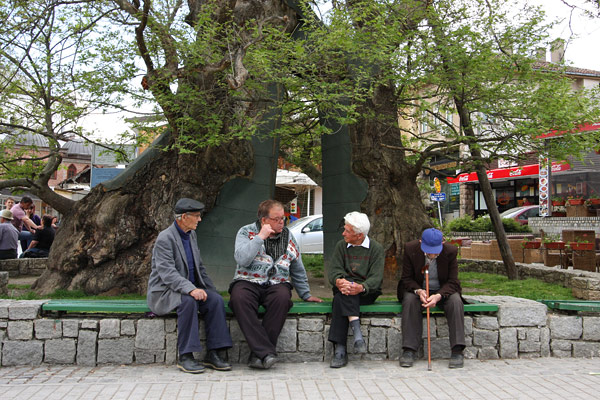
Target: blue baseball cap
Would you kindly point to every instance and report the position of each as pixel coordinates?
(431, 241)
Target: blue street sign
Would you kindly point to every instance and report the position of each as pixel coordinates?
(437, 196)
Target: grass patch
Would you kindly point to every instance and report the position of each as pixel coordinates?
(313, 263)
(18, 287)
(477, 283)
(66, 294)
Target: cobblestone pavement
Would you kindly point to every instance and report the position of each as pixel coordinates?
(545, 378)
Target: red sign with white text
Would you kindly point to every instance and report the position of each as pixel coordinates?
(526, 170)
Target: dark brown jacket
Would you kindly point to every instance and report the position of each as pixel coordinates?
(412, 266)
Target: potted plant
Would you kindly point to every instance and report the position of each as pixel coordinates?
(551, 242)
(592, 200)
(558, 201)
(581, 246)
(575, 200)
(531, 244)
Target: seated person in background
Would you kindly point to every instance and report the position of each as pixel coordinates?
(9, 203)
(444, 289)
(22, 222)
(42, 240)
(356, 273)
(9, 236)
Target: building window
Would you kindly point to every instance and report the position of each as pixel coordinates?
(71, 171)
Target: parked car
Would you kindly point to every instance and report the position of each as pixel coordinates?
(521, 214)
(308, 232)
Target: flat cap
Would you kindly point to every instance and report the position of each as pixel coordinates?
(186, 205)
(6, 214)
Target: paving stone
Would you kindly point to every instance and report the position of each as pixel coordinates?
(128, 327)
(109, 328)
(562, 345)
(86, 347)
(586, 349)
(149, 356)
(484, 322)
(509, 345)
(565, 326)
(377, 340)
(48, 328)
(311, 324)
(25, 309)
(170, 325)
(591, 328)
(115, 351)
(287, 337)
(488, 353)
(70, 328)
(310, 342)
(483, 337)
(19, 352)
(59, 351)
(387, 322)
(171, 346)
(20, 330)
(89, 324)
(150, 334)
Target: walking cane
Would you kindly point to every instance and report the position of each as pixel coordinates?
(426, 269)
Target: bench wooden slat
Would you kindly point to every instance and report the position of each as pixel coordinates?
(573, 305)
(140, 306)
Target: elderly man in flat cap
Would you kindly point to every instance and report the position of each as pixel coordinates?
(179, 281)
(9, 236)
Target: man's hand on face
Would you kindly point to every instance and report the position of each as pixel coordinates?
(199, 294)
(265, 231)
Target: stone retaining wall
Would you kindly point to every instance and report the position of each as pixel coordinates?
(520, 329)
(555, 225)
(585, 284)
(24, 266)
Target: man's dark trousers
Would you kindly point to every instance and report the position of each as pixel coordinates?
(245, 300)
(343, 307)
(213, 313)
(412, 320)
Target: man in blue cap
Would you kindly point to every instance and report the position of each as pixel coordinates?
(178, 280)
(444, 290)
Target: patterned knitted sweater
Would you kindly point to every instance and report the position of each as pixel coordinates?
(255, 265)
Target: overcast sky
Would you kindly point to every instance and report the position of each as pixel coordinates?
(582, 36)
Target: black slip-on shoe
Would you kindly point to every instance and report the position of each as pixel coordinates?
(457, 360)
(408, 358)
(269, 361)
(339, 360)
(187, 363)
(214, 361)
(255, 362)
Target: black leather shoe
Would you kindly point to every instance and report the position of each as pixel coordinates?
(457, 360)
(214, 361)
(339, 360)
(187, 363)
(269, 361)
(360, 347)
(255, 362)
(408, 358)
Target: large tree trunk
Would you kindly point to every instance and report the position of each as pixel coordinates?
(393, 202)
(105, 243)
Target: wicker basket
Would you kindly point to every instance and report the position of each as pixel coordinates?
(465, 252)
(584, 260)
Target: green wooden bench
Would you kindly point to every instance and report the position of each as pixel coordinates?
(140, 306)
(573, 305)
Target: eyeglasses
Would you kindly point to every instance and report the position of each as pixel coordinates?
(278, 219)
(195, 215)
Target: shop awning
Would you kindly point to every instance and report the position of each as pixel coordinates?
(513, 172)
(580, 129)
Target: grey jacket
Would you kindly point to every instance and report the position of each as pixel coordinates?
(169, 275)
